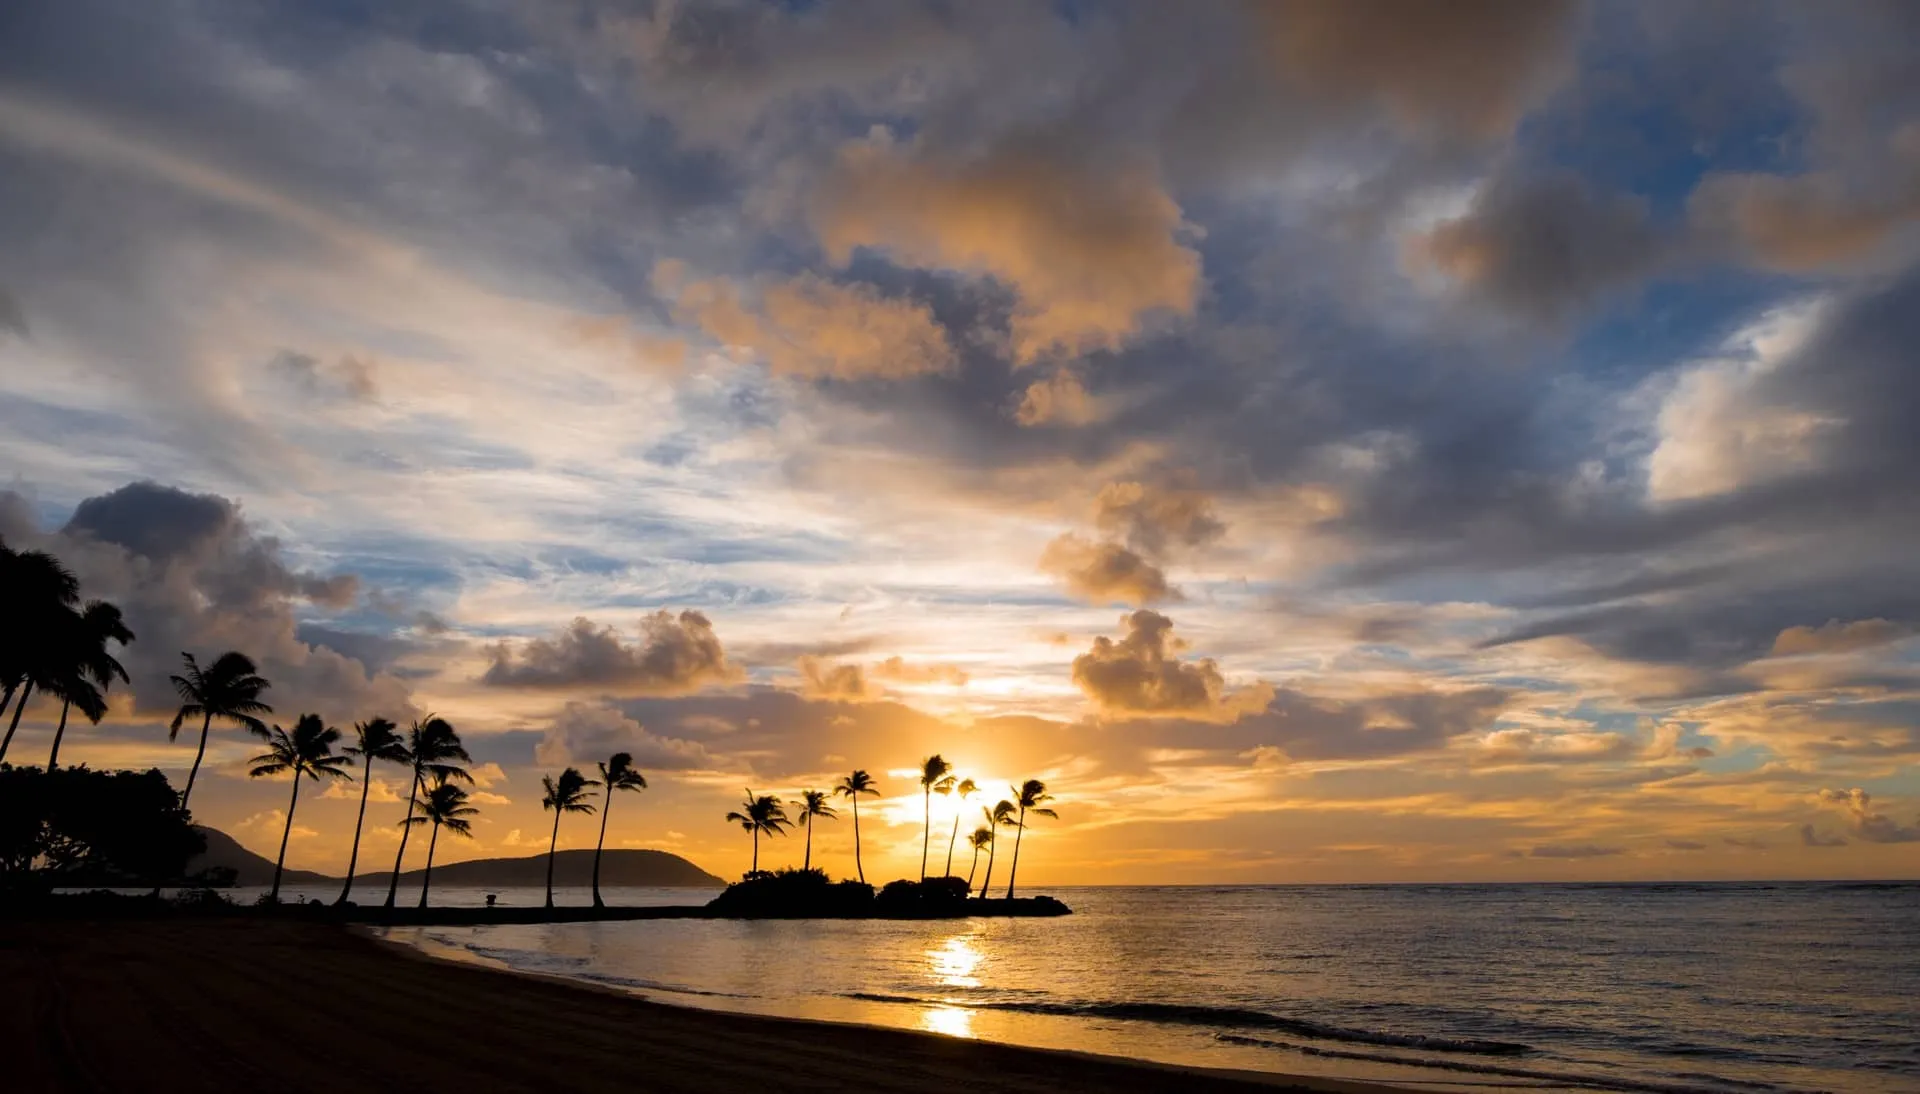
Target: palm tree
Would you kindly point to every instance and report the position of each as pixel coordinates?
(618, 773)
(813, 803)
(308, 751)
(230, 689)
(567, 794)
(762, 813)
(978, 838)
(41, 594)
(852, 787)
(445, 806)
(933, 776)
(1000, 816)
(378, 739)
(1029, 796)
(963, 791)
(436, 750)
(92, 667)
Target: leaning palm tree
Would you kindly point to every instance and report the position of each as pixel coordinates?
(308, 751)
(1029, 796)
(760, 813)
(90, 668)
(978, 838)
(41, 594)
(436, 750)
(852, 787)
(444, 806)
(1000, 816)
(228, 689)
(933, 776)
(567, 794)
(618, 773)
(378, 739)
(964, 790)
(812, 803)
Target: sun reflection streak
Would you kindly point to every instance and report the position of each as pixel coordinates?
(953, 961)
(950, 1020)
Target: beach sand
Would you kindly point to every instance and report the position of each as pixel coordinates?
(188, 1004)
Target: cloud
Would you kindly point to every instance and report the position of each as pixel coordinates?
(844, 683)
(1102, 572)
(1059, 399)
(12, 319)
(346, 377)
(1575, 851)
(1141, 674)
(1809, 837)
(1156, 520)
(1090, 251)
(377, 790)
(813, 328)
(676, 656)
(1800, 223)
(273, 823)
(919, 672)
(487, 775)
(1837, 637)
(585, 733)
(1542, 246)
(1686, 845)
(1525, 746)
(1867, 824)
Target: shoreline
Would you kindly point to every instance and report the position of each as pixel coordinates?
(183, 1004)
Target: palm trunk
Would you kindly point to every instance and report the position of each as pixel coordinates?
(7, 700)
(25, 694)
(807, 864)
(756, 853)
(353, 859)
(406, 829)
(950, 838)
(53, 758)
(426, 879)
(605, 808)
(281, 862)
(926, 833)
(1014, 870)
(986, 883)
(553, 846)
(206, 724)
(971, 869)
(861, 870)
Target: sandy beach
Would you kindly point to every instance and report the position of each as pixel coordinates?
(254, 1005)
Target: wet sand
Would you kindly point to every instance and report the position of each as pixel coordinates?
(241, 1004)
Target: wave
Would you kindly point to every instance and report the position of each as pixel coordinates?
(1196, 1014)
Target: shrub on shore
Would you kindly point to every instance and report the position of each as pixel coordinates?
(793, 893)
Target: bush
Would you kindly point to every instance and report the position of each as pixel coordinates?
(793, 893)
(934, 896)
(75, 827)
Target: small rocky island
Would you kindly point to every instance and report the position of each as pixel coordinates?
(809, 894)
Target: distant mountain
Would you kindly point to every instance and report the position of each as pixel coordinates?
(618, 867)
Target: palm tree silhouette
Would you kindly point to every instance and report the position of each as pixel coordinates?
(445, 806)
(963, 791)
(90, 669)
(1028, 796)
(567, 794)
(308, 751)
(812, 803)
(378, 739)
(933, 776)
(1000, 816)
(41, 594)
(229, 689)
(978, 838)
(762, 813)
(436, 750)
(852, 787)
(618, 773)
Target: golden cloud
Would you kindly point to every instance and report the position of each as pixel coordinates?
(1060, 399)
(1838, 637)
(1089, 252)
(1101, 572)
(1142, 675)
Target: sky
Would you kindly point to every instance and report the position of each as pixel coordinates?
(1325, 442)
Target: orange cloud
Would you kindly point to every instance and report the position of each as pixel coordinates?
(1060, 399)
(1802, 222)
(1142, 674)
(1838, 637)
(1090, 252)
(1101, 572)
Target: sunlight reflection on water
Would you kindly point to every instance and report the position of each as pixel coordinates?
(953, 961)
(952, 1021)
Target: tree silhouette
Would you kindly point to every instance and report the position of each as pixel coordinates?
(812, 803)
(978, 838)
(41, 594)
(88, 669)
(567, 794)
(228, 689)
(436, 750)
(378, 739)
(1000, 816)
(933, 776)
(308, 751)
(962, 791)
(1029, 796)
(852, 787)
(618, 773)
(760, 813)
(445, 806)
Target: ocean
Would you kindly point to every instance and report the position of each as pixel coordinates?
(1663, 987)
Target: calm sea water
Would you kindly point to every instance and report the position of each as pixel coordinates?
(1722, 988)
